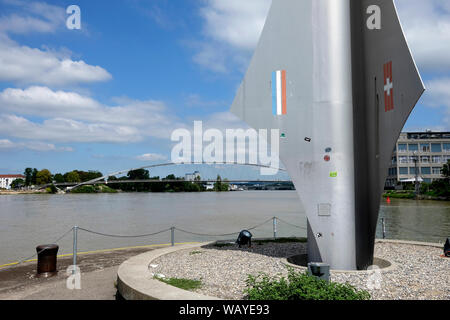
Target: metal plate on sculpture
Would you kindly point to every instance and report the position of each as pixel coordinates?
(324, 210)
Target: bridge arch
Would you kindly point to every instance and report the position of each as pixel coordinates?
(168, 164)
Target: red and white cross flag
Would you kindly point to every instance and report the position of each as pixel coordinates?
(388, 87)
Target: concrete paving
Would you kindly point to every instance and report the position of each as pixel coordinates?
(135, 280)
(98, 278)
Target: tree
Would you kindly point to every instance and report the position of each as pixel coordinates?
(140, 174)
(17, 183)
(34, 176)
(28, 176)
(446, 171)
(59, 178)
(219, 186)
(72, 177)
(88, 176)
(43, 177)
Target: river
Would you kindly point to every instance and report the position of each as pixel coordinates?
(29, 220)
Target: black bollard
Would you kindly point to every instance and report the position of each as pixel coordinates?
(447, 248)
(46, 265)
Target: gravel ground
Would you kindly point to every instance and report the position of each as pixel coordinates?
(421, 272)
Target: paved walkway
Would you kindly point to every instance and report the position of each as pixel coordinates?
(98, 278)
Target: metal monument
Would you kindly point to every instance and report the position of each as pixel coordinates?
(338, 80)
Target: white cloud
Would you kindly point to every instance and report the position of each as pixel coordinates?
(438, 96)
(33, 17)
(72, 117)
(25, 65)
(6, 144)
(151, 157)
(67, 130)
(232, 29)
(427, 28)
(235, 22)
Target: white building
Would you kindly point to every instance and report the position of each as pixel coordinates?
(192, 176)
(7, 179)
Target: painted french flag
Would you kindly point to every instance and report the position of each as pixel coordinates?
(279, 103)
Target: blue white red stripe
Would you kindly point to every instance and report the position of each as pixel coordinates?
(279, 103)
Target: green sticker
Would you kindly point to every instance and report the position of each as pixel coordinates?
(333, 174)
(283, 135)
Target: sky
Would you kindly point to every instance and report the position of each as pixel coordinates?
(108, 96)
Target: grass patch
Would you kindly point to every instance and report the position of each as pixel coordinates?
(195, 252)
(300, 286)
(399, 195)
(185, 284)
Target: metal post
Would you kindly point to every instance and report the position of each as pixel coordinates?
(75, 243)
(383, 223)
(172, 236)
(274, 227)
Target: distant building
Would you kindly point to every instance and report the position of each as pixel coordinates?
(7, 179)
(209, 186)
(192, 176)
(431, 150)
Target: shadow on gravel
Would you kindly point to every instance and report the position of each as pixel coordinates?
(279, 248)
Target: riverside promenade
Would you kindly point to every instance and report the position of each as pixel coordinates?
(98, 277)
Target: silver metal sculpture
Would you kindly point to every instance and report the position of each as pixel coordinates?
(338, 80)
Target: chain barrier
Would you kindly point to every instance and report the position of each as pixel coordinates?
(199, 234)
(124, 236)
(38, 253)
(223, 235)
(288, 223)
(416, 231)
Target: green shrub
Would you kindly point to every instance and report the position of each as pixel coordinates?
(84, 189)
(52, 189)
(300, 286)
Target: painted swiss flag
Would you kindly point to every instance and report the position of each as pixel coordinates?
(388, 87)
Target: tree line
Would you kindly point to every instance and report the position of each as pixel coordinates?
(34, 177)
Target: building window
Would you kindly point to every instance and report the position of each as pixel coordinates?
(413, 147)
(425, 147)
(427, 180)
(413, 170)
(436, 159)
(446, 147)
(394, 160)
(402, 147)
(412, 159)
(403, 170)
(426, 170)
(445, 159)
(425, 159)
(436, 147)
(403, 159)
(437, 170)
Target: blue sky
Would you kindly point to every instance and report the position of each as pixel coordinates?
(108, 96)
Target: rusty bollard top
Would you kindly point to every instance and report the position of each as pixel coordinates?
(46, 266)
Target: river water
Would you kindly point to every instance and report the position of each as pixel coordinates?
(30, 220)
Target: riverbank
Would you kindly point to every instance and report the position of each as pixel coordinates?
(410, 195)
